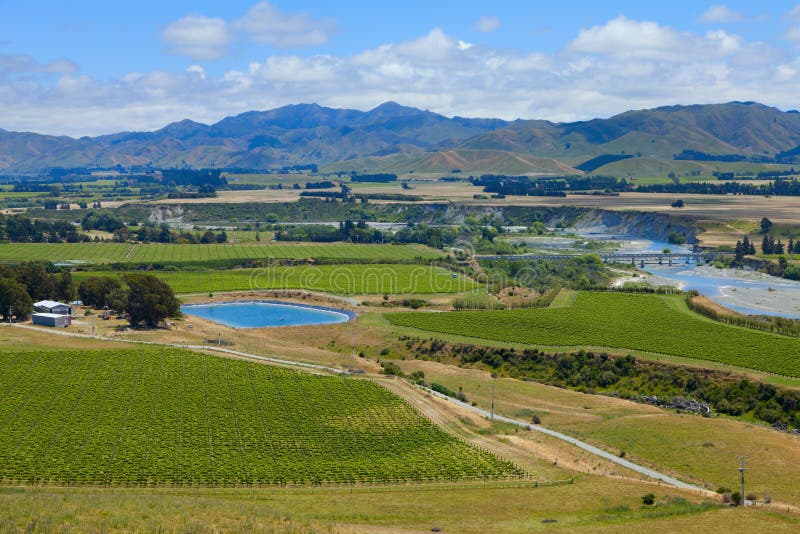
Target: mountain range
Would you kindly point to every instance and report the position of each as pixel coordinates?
(393, 137)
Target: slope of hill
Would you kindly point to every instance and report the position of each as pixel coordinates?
(309, 133)
(466, 161)
(745, 128)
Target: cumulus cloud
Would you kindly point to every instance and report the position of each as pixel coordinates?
(623, 37)
(266, 24)
(487, 24)
(720, 13)
(606, 69)
(208, 38)
(198, 37)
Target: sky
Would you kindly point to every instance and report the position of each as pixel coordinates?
(91, 67)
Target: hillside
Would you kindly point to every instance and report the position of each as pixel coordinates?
(395, 138)
(466, 161)
(745, 128)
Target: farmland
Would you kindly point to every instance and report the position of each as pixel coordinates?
(179, 253)
(341, 279)
(172, 417)
(661, 324)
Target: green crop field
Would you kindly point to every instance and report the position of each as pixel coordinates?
(653, 323)
(163, 253)
(172, 417)
(342, 279)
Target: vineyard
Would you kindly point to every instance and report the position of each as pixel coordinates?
(172, 417)
(169, 253)
(653, 323)
(342, 279)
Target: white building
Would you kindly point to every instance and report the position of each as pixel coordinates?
(51, 319)
(51, 306)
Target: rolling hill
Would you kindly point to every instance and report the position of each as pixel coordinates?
(395, 138)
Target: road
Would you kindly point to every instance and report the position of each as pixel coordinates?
(666, 479)
(578, 443)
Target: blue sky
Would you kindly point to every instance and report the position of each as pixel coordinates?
(89, 67)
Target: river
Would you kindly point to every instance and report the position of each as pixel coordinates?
(745, 291)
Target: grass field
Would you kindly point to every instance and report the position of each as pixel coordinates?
(655, 323)
(341, 279)
(699, 449)
(170, 417)
(593, 505)
(158, 253)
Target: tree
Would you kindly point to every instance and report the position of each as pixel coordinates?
(101, 292)
(65, 287)
(14, 297)
(150, 300)
(766, 225)
(208, 237)
(38, 282)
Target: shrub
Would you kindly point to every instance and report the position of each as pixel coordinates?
(391, 368)
(648, 499)
(536, 420)
(736, 498)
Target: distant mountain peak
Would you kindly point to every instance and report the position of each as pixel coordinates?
(393, 109)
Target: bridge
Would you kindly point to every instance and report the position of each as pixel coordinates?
(630, 258)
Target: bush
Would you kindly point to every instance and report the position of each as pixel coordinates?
(736, 498)
(648, 499)
(391, 368)
(536, 420)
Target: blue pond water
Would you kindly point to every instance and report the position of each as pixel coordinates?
(256, 314)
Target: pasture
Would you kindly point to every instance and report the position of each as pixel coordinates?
(95, 253)
(171, 417)
(654, 323)
(698, 449)
(355, 279)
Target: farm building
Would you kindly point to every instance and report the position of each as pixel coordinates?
(51, 319)
(51, 306)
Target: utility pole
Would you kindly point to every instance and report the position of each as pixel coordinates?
(353, 353)
(742, 469)
(492, 400)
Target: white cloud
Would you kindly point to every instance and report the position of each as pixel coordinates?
(623, 37)
(266, 24)
(794, 13)
(198, 37)
(487, 24)
(792, 34)
(208, 38)
(720, 13)
(623, 64)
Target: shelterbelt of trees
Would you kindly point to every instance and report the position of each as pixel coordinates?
(560, 185)
(19, 229)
